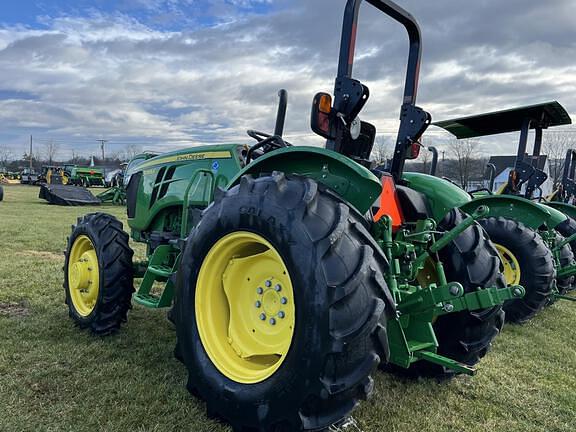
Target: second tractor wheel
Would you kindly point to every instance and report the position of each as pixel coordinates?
(566, 258)
(98, 274)
(466, 336)
(526, 261)
(281, 306)
(568, 229)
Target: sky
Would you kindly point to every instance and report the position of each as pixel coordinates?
(166, 74)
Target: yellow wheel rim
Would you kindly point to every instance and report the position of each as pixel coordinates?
(510, 265)
(245, 307)
(83, 275)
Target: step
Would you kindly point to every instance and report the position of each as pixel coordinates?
(160, 270)
(147, 300)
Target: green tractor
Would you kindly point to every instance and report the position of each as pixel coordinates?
(295, 271)
(84, 176)
(116, 194)
(563, 197)
(535, 238)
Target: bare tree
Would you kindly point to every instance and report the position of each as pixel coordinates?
(425, 156)
(555, 145)
(5, 155)
(382, 151)
(132, 150)
(466, 152)
(50, 150)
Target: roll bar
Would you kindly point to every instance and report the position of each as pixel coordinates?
(569, 172)
(434, 165)
(491, 175)
(281, 116)
(348, 43)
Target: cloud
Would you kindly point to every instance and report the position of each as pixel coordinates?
(168, 73)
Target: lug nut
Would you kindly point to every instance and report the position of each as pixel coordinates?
(272, 321)
(263, 316)
(259, 290)
(278, 288)
(268, 284)
(283, 300)
(448, 307)
(517, 292)
(454, 290)
(281, 314)
(258, 304)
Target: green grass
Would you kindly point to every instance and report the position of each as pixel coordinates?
(54, 377)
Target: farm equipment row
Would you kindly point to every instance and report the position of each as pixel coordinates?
(292, 272)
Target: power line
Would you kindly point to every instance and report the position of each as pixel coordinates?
(102, 142)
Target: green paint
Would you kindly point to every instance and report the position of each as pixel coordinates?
(161, 193)
(512, 207)
(162, 264)
(442, 195)
(354, 183)
(410, 334)
(567, 209)
(556, 216)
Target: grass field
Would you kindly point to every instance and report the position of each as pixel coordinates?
(54, 377)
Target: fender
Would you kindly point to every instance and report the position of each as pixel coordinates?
(442, 195)
(556, 215)
(531, 214)
(349, 180)
(568, 209)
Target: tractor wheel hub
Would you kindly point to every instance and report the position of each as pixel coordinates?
(83, 275)
(245, 307)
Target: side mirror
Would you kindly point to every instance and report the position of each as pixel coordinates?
(321, 119)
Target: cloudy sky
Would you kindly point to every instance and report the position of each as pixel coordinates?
(167, 73)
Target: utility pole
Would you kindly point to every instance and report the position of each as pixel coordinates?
(102, 142)
(30, 154)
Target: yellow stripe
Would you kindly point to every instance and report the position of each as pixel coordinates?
(186, 157)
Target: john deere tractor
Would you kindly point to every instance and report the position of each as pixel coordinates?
(533, 237)
(294, 271)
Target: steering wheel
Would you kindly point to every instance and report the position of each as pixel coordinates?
(257, 135)
(266, 142)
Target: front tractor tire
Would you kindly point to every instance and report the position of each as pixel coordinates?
(466, 336)
(98, 274)
(279, 306)
(526, 261)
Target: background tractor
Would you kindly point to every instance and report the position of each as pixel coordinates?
(532, 237)
(116, 194)
(294, 271)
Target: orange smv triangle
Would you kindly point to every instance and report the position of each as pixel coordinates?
(389, 205)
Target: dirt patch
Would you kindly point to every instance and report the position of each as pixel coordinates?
(40, 254)
(14, 309)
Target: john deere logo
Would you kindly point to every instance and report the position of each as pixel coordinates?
(186, 157)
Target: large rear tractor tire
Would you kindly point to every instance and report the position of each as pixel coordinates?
(98, 274)
(526, 261)
(466, 336)
(281, 306)
(568, 229)
(566, 256)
